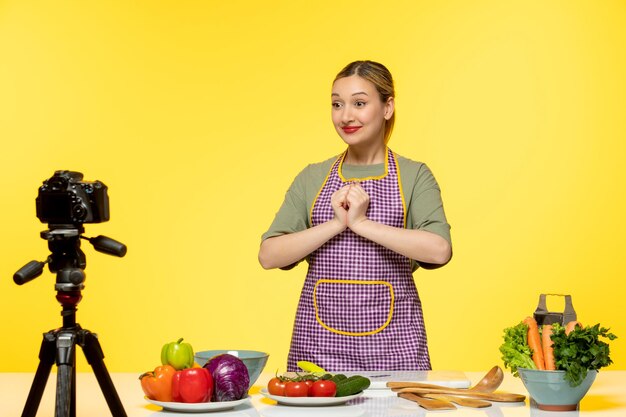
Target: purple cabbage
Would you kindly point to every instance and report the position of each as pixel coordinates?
(230, 377)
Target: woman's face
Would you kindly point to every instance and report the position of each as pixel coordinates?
(358, 114)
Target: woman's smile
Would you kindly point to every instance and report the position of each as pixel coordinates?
(350, 129)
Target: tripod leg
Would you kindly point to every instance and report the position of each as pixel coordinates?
(64, 391)
(46, 360)
(66, 358)
(93, 353)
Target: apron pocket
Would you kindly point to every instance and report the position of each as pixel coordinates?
(353, 307)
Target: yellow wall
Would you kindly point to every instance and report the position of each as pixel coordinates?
(198, 115)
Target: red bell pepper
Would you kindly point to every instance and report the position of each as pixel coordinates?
(193, 385)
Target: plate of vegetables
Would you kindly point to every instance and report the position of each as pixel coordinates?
(198, 407)
(309, 401)
(180, 385)
(315, 389)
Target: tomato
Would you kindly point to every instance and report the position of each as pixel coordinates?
(276, 387)
(309, 384)
(323, 388)
(296, 389)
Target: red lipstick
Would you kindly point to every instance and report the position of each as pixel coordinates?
(350, 129)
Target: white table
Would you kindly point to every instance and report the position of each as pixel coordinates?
(606, 398)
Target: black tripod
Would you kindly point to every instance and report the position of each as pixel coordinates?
(59, 345)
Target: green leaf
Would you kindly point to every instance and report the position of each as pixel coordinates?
(580, 351)
(515, 350)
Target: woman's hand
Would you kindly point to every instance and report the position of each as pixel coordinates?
(420, 245)
(350, 204)
(339, 203)
(357, 201)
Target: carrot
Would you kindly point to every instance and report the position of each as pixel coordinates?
(548, 351)
(534, 342)
(569, 327)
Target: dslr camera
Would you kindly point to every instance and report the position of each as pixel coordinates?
(66, 199)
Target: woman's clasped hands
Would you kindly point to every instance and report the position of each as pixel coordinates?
(350, 204)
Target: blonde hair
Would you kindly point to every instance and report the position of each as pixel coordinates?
(378, 75)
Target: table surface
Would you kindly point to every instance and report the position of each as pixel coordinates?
(606, 398)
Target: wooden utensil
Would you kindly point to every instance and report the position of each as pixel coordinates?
(464, 401)
(489, 383)
(491, 396)
(427, 403)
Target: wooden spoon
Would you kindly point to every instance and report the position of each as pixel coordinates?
(427, 403)
(489, 383)
(491, 396)
(465, 402)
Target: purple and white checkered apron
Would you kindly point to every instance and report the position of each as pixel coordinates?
(359, 309)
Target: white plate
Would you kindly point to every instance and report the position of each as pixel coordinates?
(309, 401)
(198, 407)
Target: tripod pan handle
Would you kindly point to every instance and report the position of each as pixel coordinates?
(28, 272)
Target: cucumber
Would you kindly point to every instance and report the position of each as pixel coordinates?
(352, 385)
(338, 377)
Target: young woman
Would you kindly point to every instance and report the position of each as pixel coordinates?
(364, 220)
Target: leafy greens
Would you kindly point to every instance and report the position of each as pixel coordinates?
(580, 351)
(515, 350)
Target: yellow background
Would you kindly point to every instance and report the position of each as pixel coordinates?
(198, 114)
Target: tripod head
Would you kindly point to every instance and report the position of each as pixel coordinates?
(67, 259)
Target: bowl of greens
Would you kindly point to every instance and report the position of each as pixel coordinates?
(557, 364)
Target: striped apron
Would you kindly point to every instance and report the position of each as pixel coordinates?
(359, 309)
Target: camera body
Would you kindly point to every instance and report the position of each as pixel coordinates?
(65, 199)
